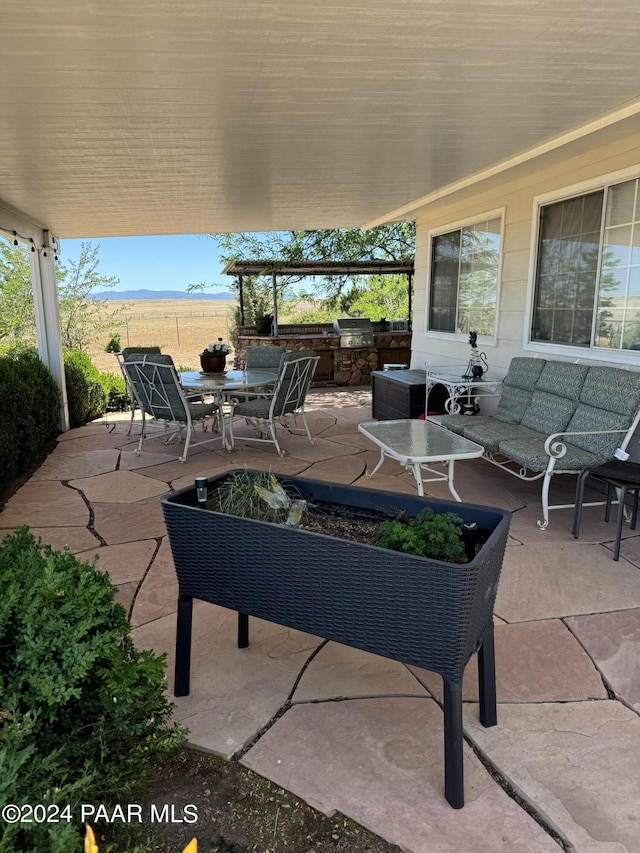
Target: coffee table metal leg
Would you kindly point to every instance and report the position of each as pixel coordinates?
(378, 465)
(417, 473)
(450, 473)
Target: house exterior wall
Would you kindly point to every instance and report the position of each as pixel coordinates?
(515, 192)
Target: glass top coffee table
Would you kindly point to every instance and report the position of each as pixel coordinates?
(417, 444)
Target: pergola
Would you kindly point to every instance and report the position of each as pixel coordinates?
(277, 269)
(128, 118)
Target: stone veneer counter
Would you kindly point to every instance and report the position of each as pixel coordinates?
(339, 366)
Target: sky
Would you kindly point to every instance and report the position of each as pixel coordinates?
(156, 263)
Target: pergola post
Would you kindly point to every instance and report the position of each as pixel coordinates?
(274, 285)
(45, 297)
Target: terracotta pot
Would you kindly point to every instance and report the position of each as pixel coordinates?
(213, 363)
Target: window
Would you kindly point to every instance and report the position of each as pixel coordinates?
(587, 288)
(464, 278)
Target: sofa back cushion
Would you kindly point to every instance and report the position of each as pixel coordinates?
(548, 413)
(591, 418)
(514, 402)
(524, 373)
(517, 389)
(563, 379)
(613, 389)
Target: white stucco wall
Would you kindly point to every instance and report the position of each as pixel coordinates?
(514, 191)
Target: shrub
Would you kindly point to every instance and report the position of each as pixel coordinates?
(114, 344)
(30, 406)
(81, 707)
(115, 392)
(429, 534)
(85, 395)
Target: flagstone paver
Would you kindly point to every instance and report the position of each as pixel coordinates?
(95, 428)
(170, 469)
(535, 662)
(381, 762)
(119, 487)
(102, 440)
(74, 538)
(158, 593)
(629, 548)
(299, 446)
(344, 470)
(234, 692)
(579, 762)
(69, 466)
(340, 671)
(123, 563)
(118, 522)
(130, 462)
(613, 641)
(553, 580)
(45, 504)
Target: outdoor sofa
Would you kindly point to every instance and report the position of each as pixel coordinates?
(555, 417)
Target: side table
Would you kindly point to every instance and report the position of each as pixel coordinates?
(624, 476)
(463, 392)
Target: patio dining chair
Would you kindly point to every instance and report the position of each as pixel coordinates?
(159, 394)
(264, 358)
(278, 406)
(128, 353)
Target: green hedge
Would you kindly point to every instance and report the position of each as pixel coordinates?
(83, 714)
(30, 411)
(85, 395)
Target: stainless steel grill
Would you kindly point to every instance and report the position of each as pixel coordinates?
(354, 332)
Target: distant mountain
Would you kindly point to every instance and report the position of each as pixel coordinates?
(157, 294)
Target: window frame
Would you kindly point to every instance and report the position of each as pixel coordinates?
(458, 225)
(576, 353)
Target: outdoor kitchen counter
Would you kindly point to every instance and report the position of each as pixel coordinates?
(339, 366)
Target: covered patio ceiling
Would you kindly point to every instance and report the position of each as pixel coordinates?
(155, 117)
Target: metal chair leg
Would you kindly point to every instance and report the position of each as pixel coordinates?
(616, 549)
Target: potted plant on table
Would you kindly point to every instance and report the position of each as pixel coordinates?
(213, 358)
(419, 610)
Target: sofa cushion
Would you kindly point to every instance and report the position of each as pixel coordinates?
(514, 402)
(548, 412)
(489, 433)
(563, 378)
(530, 453)
(524, 372)
(455, 423)
(589, 419)
(613, 389)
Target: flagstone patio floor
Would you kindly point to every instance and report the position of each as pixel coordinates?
(346, 730)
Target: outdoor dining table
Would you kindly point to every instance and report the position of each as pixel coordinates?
(223, 385)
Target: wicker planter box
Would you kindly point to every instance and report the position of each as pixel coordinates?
(419, 611)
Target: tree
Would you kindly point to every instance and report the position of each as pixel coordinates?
(80, 318)
(17, 318)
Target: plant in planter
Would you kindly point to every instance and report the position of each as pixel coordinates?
(263, 324)
(418, 610)
(213, 358)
